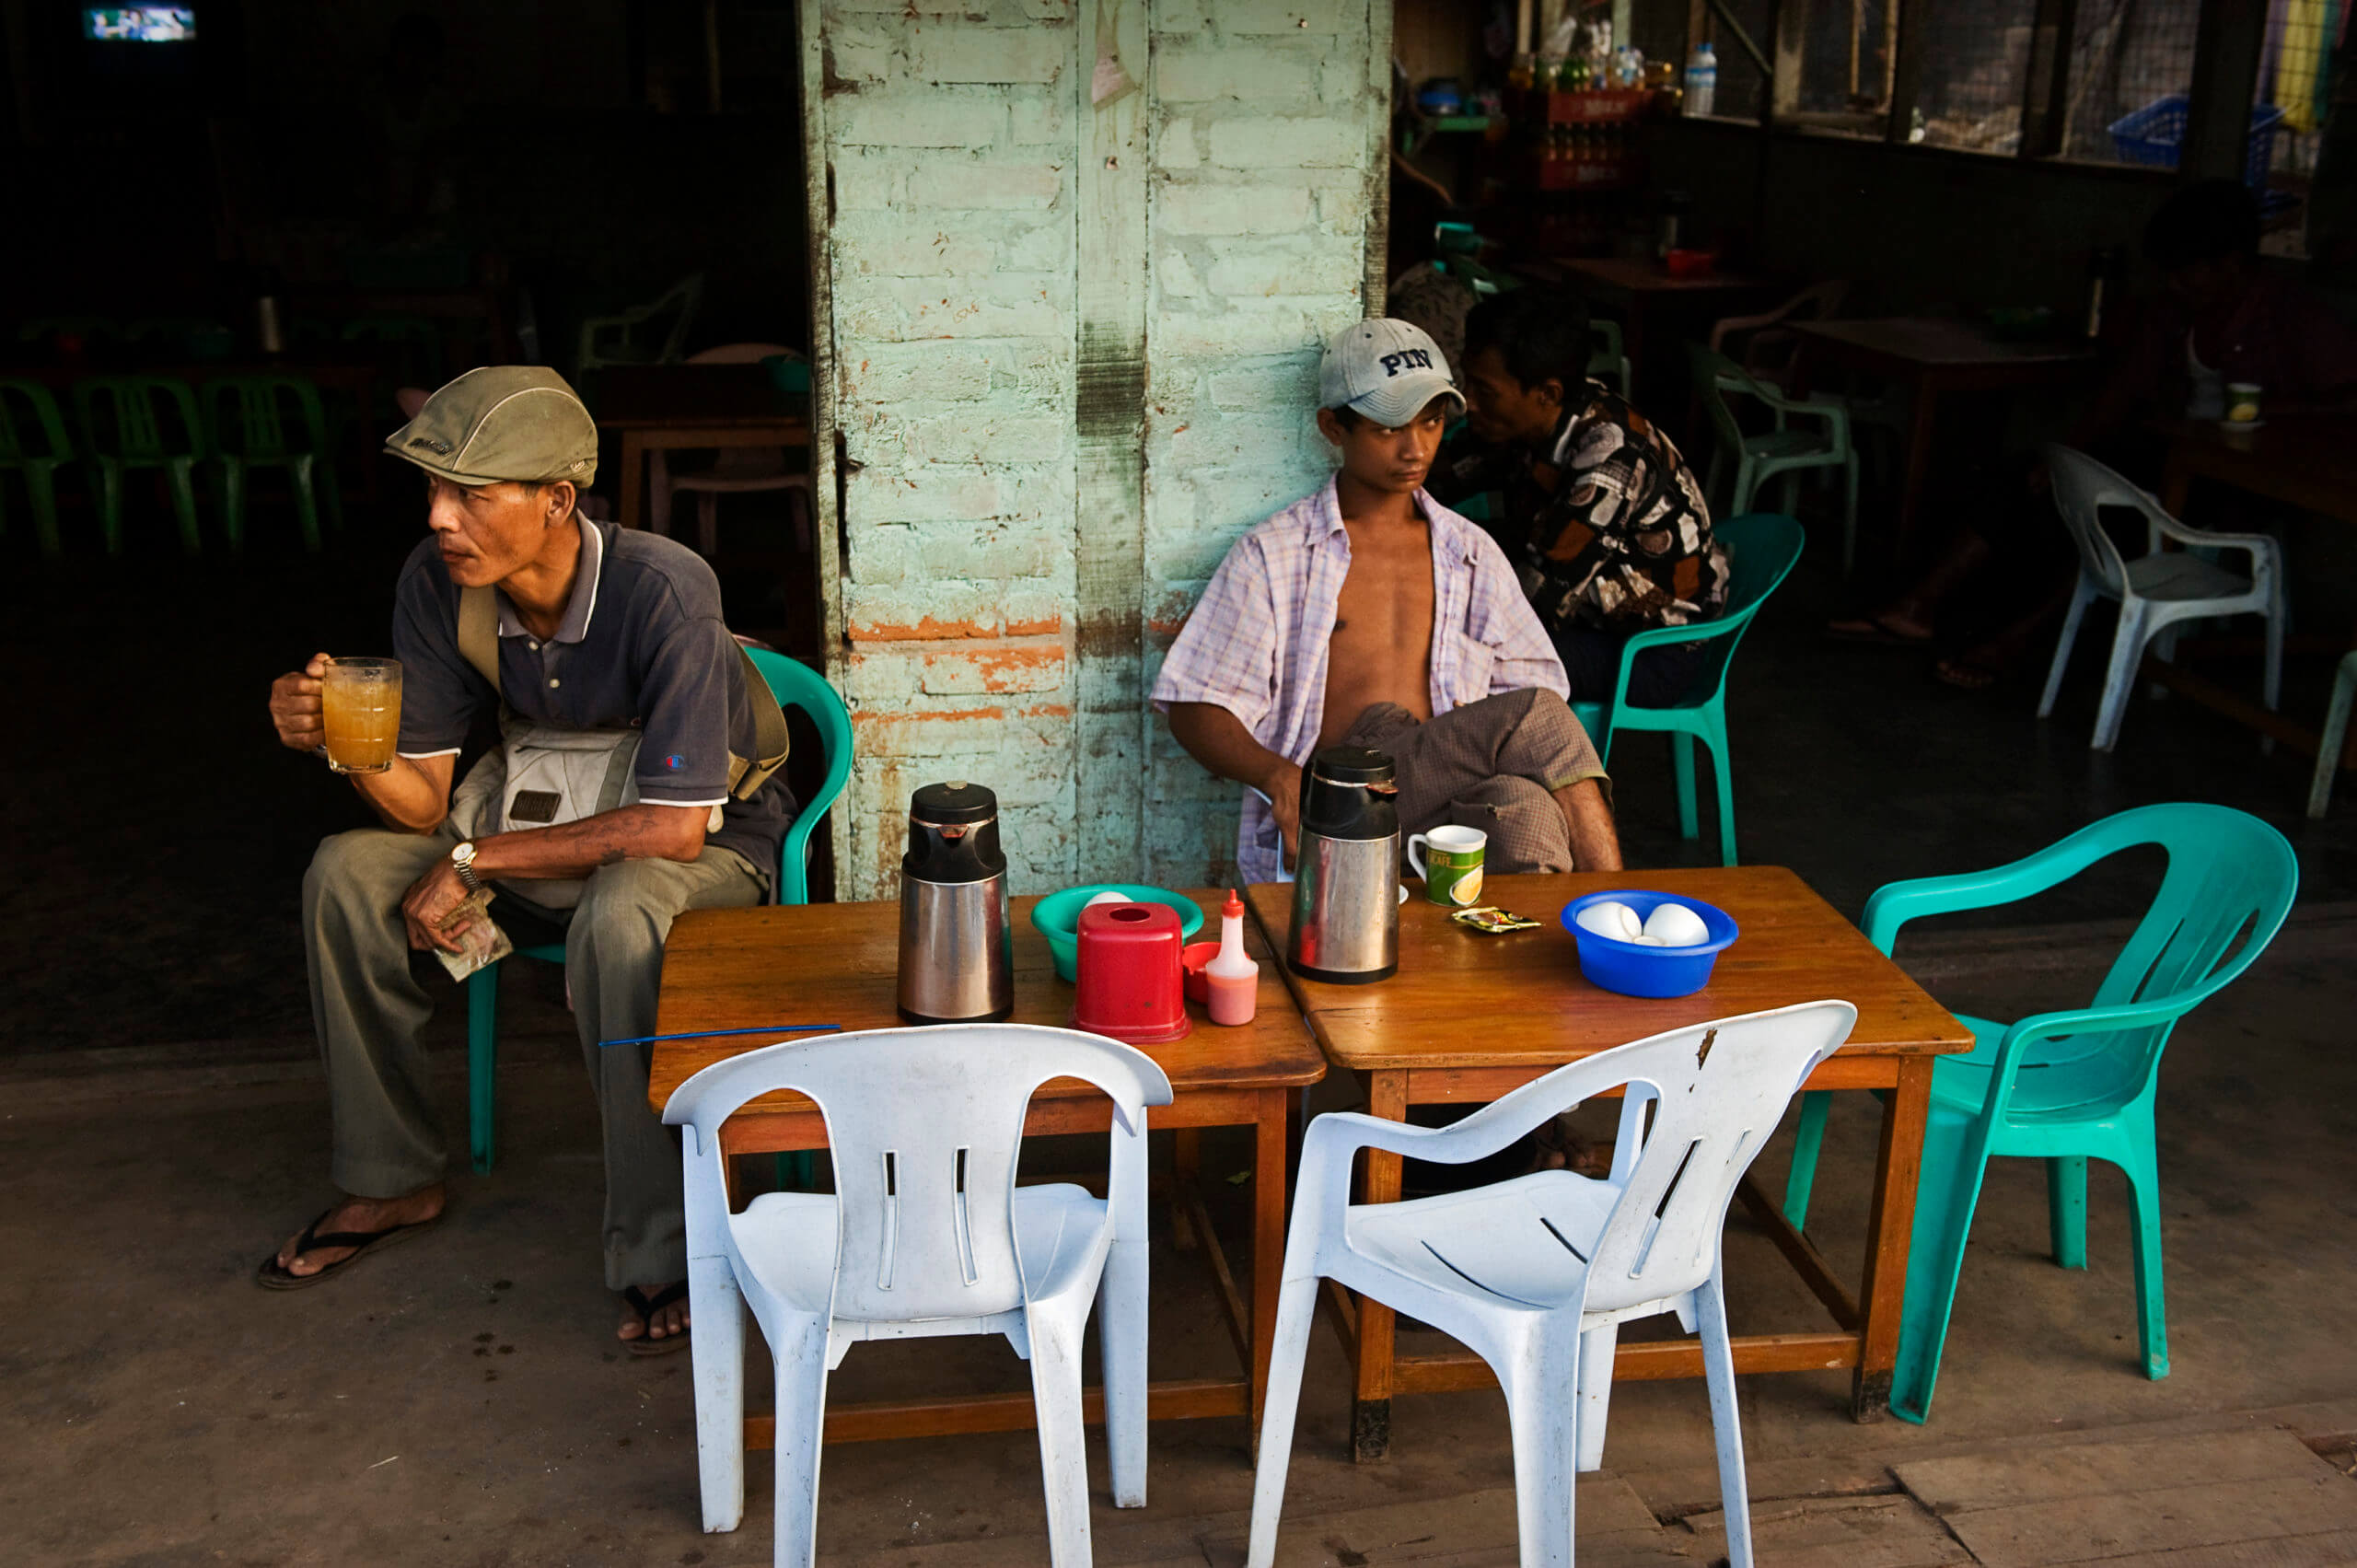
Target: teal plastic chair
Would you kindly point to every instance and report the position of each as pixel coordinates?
(33, 443)
(272, 421)
(2074, 1084)
(795, 685)
(124, 429)
(1761, 550)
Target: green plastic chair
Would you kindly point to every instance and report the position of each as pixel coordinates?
(1761, 550)
(272, 421)
(795, 685)
(122, 430)
(36, 446)
(1781, 450)
(2065, 1086)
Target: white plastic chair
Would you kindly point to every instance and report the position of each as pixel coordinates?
(1781, 451)
(2157, 591)
(736, 470)
(2336, 735)
(617, 338)
(926, 1234)
(1538, 1273)
(1609, 354)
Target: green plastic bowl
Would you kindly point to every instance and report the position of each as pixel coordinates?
(1057, 917)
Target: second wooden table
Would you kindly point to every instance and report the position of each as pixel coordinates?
(1470, 1019)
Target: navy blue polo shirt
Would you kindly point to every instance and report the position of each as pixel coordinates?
(641, 646)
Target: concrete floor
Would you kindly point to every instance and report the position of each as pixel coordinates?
(459, 1401)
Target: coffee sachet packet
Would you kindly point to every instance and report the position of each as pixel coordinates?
(481, 941)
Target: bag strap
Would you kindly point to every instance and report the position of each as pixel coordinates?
(479, 646)
(479, 634)
(770, 740)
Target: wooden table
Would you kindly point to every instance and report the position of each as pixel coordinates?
(1933, 356)
(1643, 287)
(2308, 461)
(1471, 1017)
(838, 963)
(665, 407)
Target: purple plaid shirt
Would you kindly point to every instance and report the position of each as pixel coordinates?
(1256, 642)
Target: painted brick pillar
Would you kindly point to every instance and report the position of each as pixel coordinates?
(1074, 260)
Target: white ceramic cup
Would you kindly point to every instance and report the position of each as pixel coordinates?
(1462, 851)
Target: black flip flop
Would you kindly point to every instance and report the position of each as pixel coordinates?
(646, 1307)
(271, 1276)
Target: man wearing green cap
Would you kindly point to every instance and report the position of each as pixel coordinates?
(587, 641)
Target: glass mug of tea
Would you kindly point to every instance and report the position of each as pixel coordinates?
(360, 707)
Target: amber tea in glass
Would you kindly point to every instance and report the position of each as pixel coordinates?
(360, 703)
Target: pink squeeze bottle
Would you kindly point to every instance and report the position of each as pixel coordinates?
(1235, 980)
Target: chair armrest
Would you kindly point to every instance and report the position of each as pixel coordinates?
(1893, 904)
(2255, 543)
(2072, 1021)
(1664, 636)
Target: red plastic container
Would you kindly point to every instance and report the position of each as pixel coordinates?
(1130, 986)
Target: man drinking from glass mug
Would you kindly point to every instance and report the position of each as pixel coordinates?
(634, 780)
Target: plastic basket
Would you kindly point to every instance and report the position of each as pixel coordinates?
(2155, 136)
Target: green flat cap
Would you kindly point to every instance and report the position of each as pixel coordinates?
(502, 422)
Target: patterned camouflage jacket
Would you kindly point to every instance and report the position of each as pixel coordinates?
(1609, 530)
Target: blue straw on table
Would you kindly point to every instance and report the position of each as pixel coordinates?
(713, 1034)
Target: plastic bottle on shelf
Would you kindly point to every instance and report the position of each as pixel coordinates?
(1702, 79)
(1235, 980)
(1523, 73)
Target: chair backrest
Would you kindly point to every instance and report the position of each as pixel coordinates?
(37, 439)
(1607, 353)
(739, 353)
(119, 417)
(1714, 376)
(1762, 548)
(2082, 488)
(2229, 885)
(1720, 1090)
(925, 1125)
(250, 416)
(796, 685)
(609, 340)
(1818, 301)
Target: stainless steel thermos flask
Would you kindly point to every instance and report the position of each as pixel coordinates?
(957, 950)
(1346, 890)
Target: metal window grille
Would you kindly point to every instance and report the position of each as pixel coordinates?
(1975, 74)
(1841, 58)
(2289, 103)
(2128, 57)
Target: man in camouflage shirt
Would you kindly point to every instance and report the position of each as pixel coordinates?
(1602, 518)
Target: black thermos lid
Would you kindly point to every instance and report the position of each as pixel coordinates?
(953, 834)
(1350, 794)
(1352, 765)
(952, 804)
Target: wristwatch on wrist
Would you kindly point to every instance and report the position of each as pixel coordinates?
(462, 860)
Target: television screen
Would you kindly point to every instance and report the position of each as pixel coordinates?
(140, 24)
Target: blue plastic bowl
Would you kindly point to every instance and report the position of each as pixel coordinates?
(1057, 917)
(1631, 969)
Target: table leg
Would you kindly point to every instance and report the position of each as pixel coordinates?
(1387, 1096)
(1890, 1227)
(634, 510)
(1269, 1188)
(2177, 481)
(1923, 404)
(1186, 1176)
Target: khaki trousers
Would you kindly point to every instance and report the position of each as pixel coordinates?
(1492, 764)
(369, 1009)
